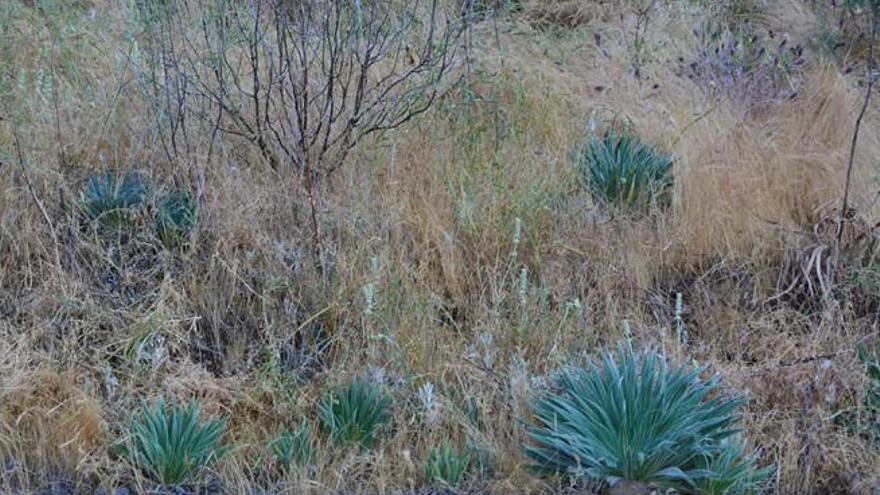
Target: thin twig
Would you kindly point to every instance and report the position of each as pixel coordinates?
(33, 192)
(841, 222)
(30, 185)
(62, 155)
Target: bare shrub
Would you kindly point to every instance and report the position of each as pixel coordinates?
(304, 82)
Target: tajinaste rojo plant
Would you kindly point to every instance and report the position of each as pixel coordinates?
(293, 448)
(175, 216)
(621, 170)
(108, 200)
(635, 419)
(445, 466)
(171, 444)
(355, 412)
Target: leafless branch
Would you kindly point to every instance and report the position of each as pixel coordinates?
(305, 81)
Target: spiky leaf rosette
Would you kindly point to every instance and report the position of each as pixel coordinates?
(171, 444)
(109, 198)
(733, 472)
(445, 465)
(175, 216)
(293, 448)
(620, 169)
(634, 419)
(355, 412)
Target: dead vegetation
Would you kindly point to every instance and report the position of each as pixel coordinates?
(458, 251)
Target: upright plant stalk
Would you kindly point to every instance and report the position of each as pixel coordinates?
(642, 20)
(32, 190)
(313, 216)
(841, 221)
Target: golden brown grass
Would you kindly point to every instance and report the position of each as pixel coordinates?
(566, 13)
(427, 215)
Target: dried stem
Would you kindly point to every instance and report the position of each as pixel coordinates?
(871, 79)
(33, 192)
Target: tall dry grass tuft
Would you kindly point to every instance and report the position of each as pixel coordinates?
(452, 217)
(50, 424)
(743, 183)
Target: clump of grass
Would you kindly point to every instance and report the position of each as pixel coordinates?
(355, 413)
(171, 444)
(621, 170)
(445, 465)
(108, 200)
(636, 419)
(293, 448)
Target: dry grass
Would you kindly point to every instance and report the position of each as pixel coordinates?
(427, 216)
(567, 13)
